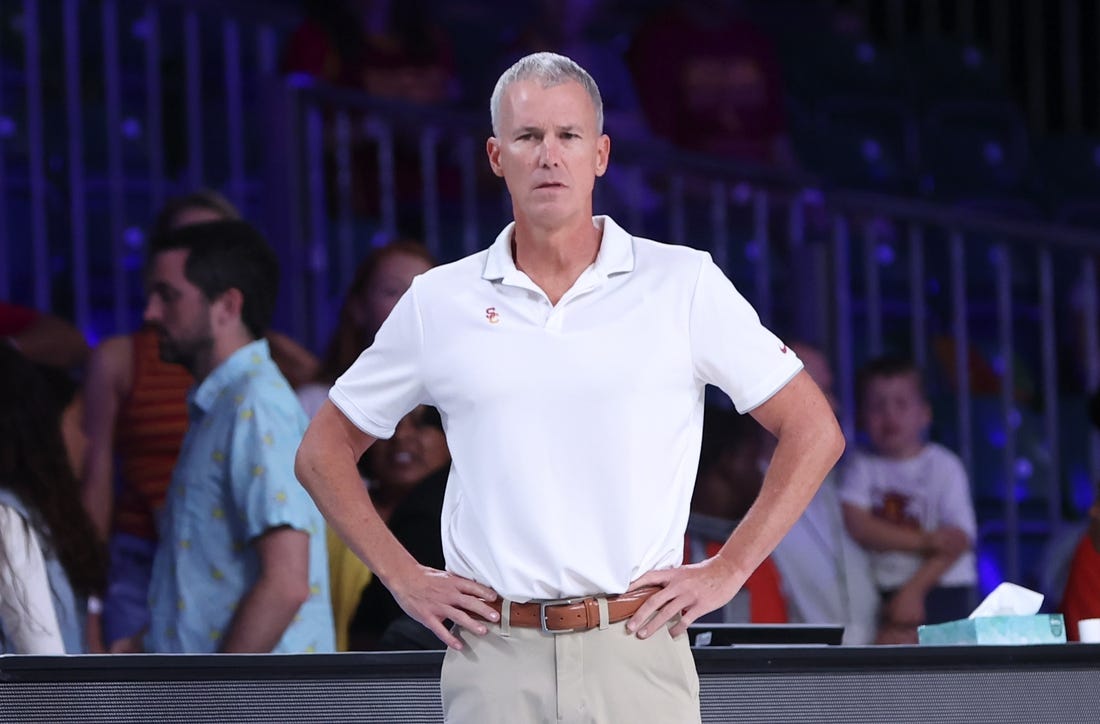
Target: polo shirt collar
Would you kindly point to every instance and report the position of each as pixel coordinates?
(240, 363)
(616, 254)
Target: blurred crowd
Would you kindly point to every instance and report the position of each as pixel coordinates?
(148, 500)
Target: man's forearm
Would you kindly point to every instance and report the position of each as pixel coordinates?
(325, 465)
(262, 617)
(808, 448)
(780, 503)
(347, 508)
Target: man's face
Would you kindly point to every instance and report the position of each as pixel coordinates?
(548, 151)
(178, 310)
(895, 415)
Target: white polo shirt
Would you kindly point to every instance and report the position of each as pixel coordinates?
(574, 429)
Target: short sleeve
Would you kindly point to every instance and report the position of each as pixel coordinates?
(854, 482)
(261, 467)
(730, 347)
(386, 381)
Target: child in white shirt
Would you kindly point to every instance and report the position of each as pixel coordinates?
(907, 501)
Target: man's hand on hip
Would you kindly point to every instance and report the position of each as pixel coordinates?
(432, 596)
(688, 591)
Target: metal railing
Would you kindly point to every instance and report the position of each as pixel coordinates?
(1030, 38)
(83, 170)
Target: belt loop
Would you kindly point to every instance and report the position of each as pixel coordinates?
(601, 602)
(505, 617)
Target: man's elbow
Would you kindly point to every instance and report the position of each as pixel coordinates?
(834, 440)
(292, 592)
(297, 595)
(300, 466)
(303, 461)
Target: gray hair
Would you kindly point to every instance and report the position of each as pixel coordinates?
(549, 69)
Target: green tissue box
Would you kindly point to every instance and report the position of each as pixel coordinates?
(1037, 629)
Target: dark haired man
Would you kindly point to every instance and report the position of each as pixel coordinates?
(241, 562)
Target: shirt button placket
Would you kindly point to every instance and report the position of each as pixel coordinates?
(554, 320)
(546, 310)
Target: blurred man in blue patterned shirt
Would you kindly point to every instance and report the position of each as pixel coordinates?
(241, 563)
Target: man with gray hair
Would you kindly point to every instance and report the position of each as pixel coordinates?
(568, 361)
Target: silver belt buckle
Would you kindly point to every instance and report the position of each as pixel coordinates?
(543, 605)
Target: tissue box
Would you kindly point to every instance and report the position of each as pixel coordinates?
(1037, 629)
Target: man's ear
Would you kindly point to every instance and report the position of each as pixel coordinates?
(229, 306)
(603, 154)
(492, 149)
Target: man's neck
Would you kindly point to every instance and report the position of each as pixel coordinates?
(555, 258)
(222, 350)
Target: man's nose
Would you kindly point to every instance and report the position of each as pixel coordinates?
(551, 152)
(152, 310)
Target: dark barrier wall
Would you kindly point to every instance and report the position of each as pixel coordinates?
(1057, 684)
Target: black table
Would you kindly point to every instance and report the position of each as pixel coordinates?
(1058, 684)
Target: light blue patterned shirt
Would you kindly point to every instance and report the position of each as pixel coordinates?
(233, 481)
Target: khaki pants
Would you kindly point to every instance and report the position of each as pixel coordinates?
(601, 676)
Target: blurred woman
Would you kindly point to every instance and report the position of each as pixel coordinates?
(382, 277)
(51, 560)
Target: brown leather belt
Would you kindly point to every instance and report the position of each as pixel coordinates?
(575, 614)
